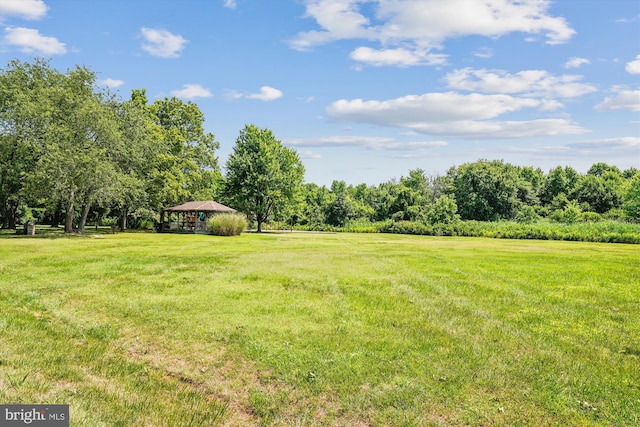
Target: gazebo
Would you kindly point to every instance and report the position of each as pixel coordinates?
(191, 217)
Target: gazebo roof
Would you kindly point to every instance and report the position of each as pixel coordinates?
(205, 206)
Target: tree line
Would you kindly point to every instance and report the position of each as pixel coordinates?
(73, 153)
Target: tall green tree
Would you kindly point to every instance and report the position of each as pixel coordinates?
(74, 134)
(24, 109)
(262, 176)
(187, 166)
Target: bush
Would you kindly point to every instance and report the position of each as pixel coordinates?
(591, 217)
(227, 224)
(527, 215)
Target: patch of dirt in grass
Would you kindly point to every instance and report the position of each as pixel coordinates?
(220, 375)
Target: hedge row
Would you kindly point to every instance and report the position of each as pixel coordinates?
(603, 231)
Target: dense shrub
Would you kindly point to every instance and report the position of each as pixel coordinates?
(527, 215)
(604, 231)
(227, 224)
(591, 217)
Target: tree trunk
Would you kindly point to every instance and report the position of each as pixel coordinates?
(11, 216)
(83, 218)
(57, 215)
(68, 220)
(123, 219)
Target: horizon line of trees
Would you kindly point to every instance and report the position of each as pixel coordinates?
(72, 153)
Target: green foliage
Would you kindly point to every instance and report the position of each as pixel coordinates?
(591, 217)
(263, 177)
(227, 224)
(527, 215)
(485, 191)
(631, 205)
(443, 211)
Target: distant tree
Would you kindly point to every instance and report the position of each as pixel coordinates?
(485, 191)
(559, 180)
(314, 199)
(340, 210)
(262, 176)
(631, 204)
(600, 168)
(599, 193)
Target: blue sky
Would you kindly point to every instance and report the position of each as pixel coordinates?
(366, 90)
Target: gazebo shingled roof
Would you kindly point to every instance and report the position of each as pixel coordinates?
(204, 206)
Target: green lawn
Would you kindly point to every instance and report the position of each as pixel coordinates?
(321, 329)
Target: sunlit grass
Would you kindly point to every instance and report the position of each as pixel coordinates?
(321, 329)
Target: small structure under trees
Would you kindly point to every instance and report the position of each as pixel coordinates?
(191, 217)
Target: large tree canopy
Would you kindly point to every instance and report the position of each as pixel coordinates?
(262, 176)
(66, 144)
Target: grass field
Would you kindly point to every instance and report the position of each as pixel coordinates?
(321, 329)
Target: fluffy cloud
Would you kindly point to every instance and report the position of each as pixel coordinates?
(454, 115)
(576, 62)
(111, 83)
(26, 9)
(434, 107)
(162, 43)
(530, 82)
(267, 93)
(624, 99)
(31, 41)
(407, 30)
(633, 67)
(191, 91)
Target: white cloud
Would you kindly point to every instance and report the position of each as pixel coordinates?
(162, 43)
(621, 148)
(308, 154)
(629, 144)
(576, 62)
(502, 129)
(400, 57)
(410, 29)
(111, 83)
(377, 143)
(535, 83)
(628, 20)
(433, 107)
(231, 4)
(26, 9)
(191, 91)
(454, 115)
(484, 52)
(624, 99)
(633, 67)
(266, 93)
(31, 41)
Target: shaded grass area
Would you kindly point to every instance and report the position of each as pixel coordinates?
(321, 329)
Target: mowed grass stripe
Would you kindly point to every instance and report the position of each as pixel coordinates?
(321, 329)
